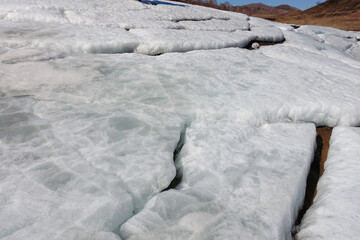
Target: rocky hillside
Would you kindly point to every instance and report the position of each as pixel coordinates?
(265, 11)
(254, 9)
(342, 14)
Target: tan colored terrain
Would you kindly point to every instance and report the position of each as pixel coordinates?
(325, 134)
(342, 14)
(264, 11)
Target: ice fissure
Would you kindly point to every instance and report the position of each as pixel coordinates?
(177, 179)
(335, 211)
(197, 19)
(214, 181)
(316, 170)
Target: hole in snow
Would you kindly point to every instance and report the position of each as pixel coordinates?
(316, 169)
(254, 44)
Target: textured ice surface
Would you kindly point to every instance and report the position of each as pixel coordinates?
(229, 84)
(268, 34)
(156, 41)
(87, 158)
(336, 41)
(239, 182)
(69, 170)
(66, 37)
(99, 28)
(259, 22)
(335, 213)
(88, 126)
(227, 25)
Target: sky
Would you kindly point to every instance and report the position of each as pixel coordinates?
(301, 4)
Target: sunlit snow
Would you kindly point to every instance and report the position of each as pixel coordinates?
(236, 181)
(95, 94)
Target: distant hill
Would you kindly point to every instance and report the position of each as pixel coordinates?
(265, 11)
(342, 14)
(287, 8)
(335, 6)
(254, 9)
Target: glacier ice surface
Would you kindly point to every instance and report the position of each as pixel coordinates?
(88, 125)
(238, 182)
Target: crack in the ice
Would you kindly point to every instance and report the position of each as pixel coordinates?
(248, 46)
(178, 177)
(199, 19)
(314, 174)
(311, 180)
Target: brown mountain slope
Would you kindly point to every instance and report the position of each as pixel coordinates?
(342, 14)
(265, 11)
(287, 8)
(254, 9)
(333, 6)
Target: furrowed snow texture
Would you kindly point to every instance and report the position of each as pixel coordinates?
(87, 135)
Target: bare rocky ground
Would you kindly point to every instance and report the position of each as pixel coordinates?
(341, 14)
(349, 21)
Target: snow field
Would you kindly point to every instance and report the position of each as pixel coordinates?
(88, 126)
(83, 175)
(227, 84)
(89, 28)
(69, 38)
